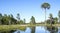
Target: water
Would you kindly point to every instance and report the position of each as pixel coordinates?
(35, 29)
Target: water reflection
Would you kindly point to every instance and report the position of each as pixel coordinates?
(34, 29)
(52, 29)
(21, 29)
(9, 31)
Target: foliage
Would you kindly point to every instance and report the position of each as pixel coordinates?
(18, 16)
(55, 20)
(59, 15)
(45, 5)
(8, 20)
(24, 21)
(32, 20)
(20, 22)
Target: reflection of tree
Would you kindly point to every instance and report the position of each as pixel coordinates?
(52, 29)
(13, 30)
(33, 29)
(9, 31)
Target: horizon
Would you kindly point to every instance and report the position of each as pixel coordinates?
(28, 8)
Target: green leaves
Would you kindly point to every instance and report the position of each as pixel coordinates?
(32, 20)
(18, 16)
(45, 5)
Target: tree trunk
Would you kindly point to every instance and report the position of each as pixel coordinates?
(45, 16)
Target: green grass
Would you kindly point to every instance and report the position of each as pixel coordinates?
(11, 27)
(23, 27)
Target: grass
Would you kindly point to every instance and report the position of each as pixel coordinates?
(11, 27)
(23, 27)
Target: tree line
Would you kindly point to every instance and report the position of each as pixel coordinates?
(10, 20)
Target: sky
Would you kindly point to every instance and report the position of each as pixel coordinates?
(28, 8)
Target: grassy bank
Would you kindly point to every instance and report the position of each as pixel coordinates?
(11, 27)
(23, 27)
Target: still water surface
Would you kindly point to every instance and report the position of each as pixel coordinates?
(35, 29)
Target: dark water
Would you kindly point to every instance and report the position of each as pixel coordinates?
(35, 29)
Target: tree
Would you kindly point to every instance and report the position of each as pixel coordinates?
(21, 22)
(18, 17)
(11, 19)
(5, 19)
(59, 15)
(45, 6)
(24, 20)
(8, 19)
(0, 18)
(55, 19)
(49, 21)
(51, 16)
(0, 15)
(32, 20)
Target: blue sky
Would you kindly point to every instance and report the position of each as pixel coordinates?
(28, 8)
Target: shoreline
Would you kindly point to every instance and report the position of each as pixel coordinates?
(33, 25)
(10, 27)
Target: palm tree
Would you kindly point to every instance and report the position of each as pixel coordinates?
(45, 6)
